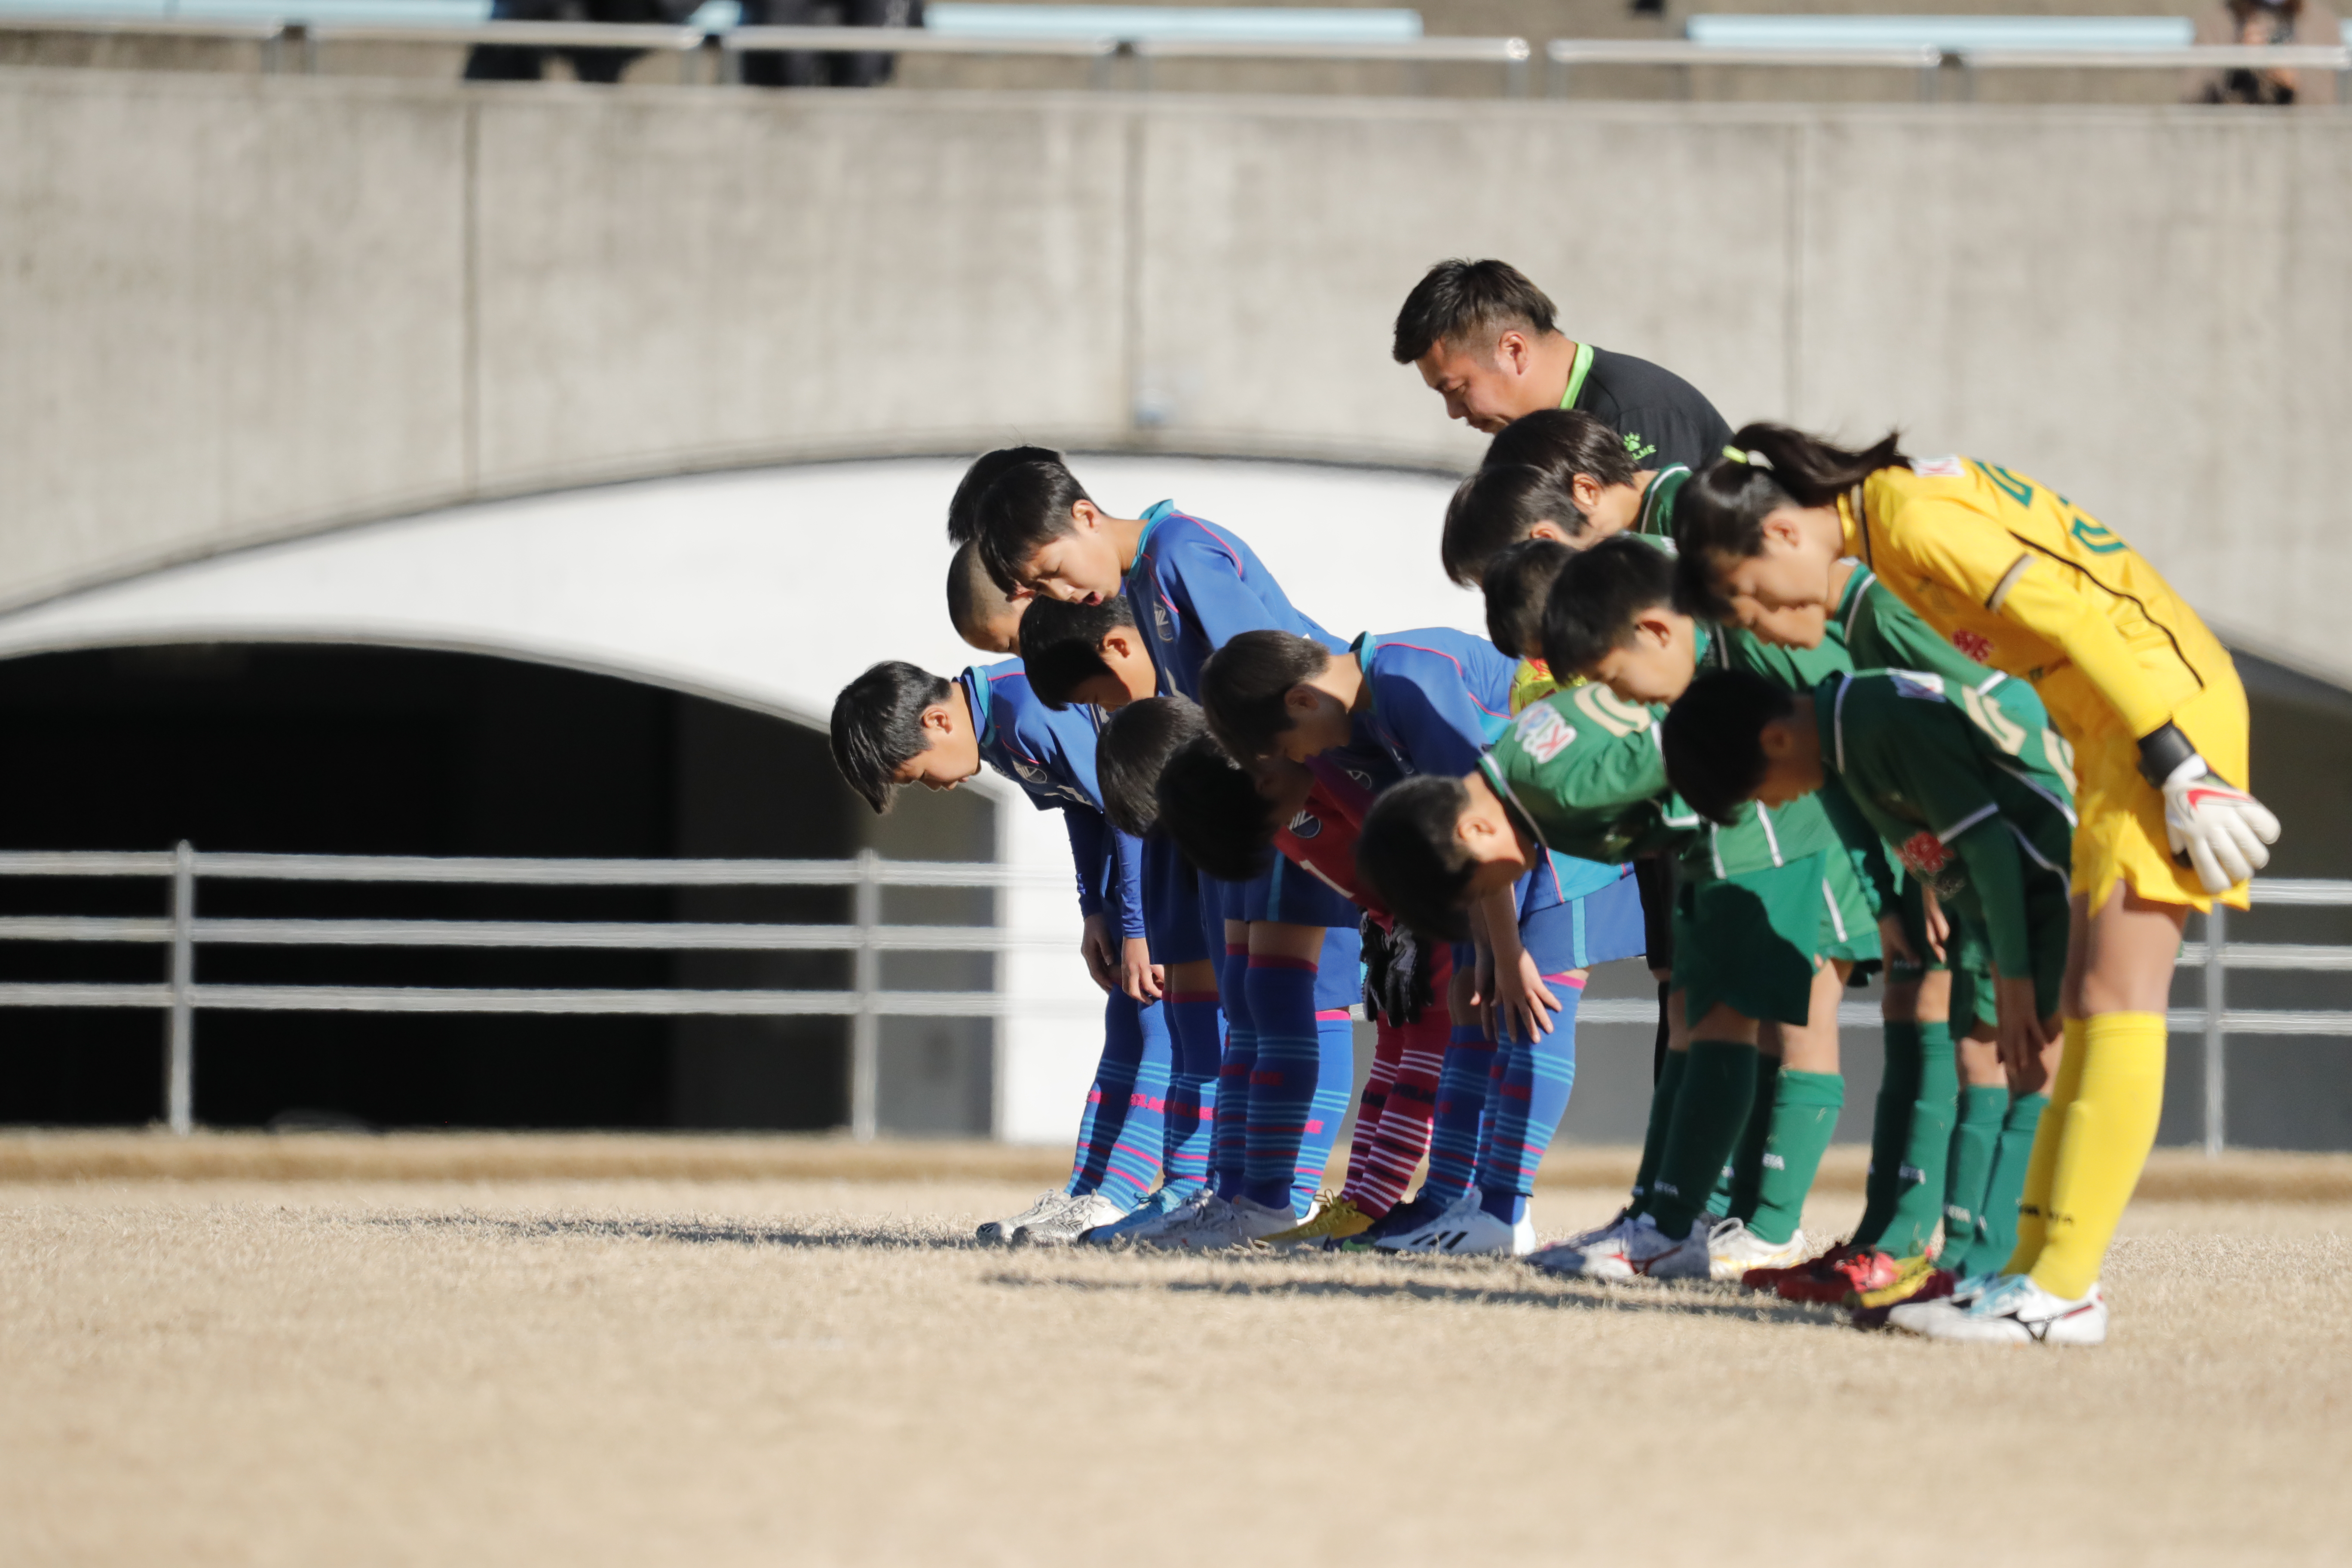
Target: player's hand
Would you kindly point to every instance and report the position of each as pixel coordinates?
(1894, 945)
(1482, 989)
(2215, 826)
(1094, 946)
(1138, 975)
(1527, 1002)
(1940, 927)
(2023, 1036)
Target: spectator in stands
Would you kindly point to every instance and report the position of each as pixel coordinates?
(802, 70)
(516, 62)
(2266, 23)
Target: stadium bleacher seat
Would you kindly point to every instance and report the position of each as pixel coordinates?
(1952, 34)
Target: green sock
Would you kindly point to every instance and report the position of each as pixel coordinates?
(1982, 1106)
(1718, 1083)
(1997, 1230)
(1919, 1177)
(1662, 1116)
(1745, 1174)
(1890, 1132)
(1804, 1115)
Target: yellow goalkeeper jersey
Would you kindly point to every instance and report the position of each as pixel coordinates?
(2020, 578)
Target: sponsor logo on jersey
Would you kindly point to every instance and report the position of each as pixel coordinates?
(1976, 645)
(1938, 467)
(1160, 623)
(1543, 734)
(1306, 825)
(1912, 683)
(1924, 855)
(1638, 446)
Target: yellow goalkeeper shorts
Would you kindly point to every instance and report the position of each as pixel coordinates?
(2119, 836)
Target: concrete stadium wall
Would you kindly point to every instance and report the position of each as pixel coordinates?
(237, 308)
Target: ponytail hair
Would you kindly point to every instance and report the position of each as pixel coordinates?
(1721, 511)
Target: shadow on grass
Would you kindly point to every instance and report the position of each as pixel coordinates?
(1699, 1302)
(688, 1232)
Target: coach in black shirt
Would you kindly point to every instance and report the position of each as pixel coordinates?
(1482, 337)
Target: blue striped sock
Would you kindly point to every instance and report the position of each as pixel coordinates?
(1528, 1108)
(1230, 1142)
(1119, 1137)
(1461, 1098)
(1334, 1081)
(1191, 1088)
(1282, 1085)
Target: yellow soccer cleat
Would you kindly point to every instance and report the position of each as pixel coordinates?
(1332, 1220)
(1910, 1273)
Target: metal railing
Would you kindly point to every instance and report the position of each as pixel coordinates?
(725, 48)
(180, 996)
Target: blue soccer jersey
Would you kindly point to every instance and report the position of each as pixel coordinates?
(1052, 757)
(1193, 587)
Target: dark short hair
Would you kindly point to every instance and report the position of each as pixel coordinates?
(1412, 859)
(1598, 595)
(983, 472)
(1061, 645)
(1720, 512)
(877, 725)
(1466, 301)
(1712, 738)
(1243, 683)
(972, 597)
(1519, 585)
(1132, 752)
(1210, 805)
(1027, 506)
(1564, 442)
(1493, 510)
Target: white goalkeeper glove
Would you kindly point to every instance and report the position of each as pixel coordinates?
(2213, 826)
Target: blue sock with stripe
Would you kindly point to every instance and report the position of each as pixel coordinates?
(1538, 1078)
(1121, 1135)
(1192, 1087)
(1283, 1082)
(1454, 1130)
(1230, 1142)
(1335, 1084)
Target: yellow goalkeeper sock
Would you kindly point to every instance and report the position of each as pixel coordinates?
(2103, 1138)
(2034, 1202)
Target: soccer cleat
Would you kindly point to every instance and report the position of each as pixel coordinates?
(1411, 1215)
(1160, 1207)
(1221, 1225)
(2013, 1311)
(1636, 1246)
(1000, 1232)
(1595, 1254)
(1422, 1237)
(1911, 1276)
(1734, 1251)
(1069, 1222)
(1830, 1278)
(1333, 1219)
(1938, 1285)
(1474, 1234)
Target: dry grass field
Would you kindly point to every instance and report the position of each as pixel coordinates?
(801, 1370)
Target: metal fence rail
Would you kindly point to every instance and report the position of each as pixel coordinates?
(181, 996)
(726, 48)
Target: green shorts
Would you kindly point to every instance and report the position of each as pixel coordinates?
(1751, 941)
(1967, 950)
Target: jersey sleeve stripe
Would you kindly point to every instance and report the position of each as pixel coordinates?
(1946, 835)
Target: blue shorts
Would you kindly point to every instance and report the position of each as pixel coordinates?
(1174, 920)
(1291, 894)
(1583, 932)
(1339, 980)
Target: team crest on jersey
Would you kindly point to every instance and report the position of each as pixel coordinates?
(1976, 645)
(1030, 771)
(1306, 825)
(1360, 776)
(1543, 734)
(1924, 856)
(1161, 625)
(1938, 467)
(1912, 683)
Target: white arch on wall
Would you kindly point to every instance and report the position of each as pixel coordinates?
(769, 589)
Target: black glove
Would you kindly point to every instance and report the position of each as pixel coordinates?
(1396, 973)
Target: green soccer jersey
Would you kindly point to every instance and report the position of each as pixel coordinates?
(1656, 518)
(1928, 760)
(1582, 766)
(1880, 631)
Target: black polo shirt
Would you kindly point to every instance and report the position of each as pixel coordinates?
(1664, 418)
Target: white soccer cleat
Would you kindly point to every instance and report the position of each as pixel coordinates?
(1206, 1209)
(1235, 1224)
(1595, 1254)
(1636, 1246)
(1001, 1232)
(1732, 1249)
(1071, 1221)
(1160, 1209)
(1424, 1237)
(2013, 1311)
